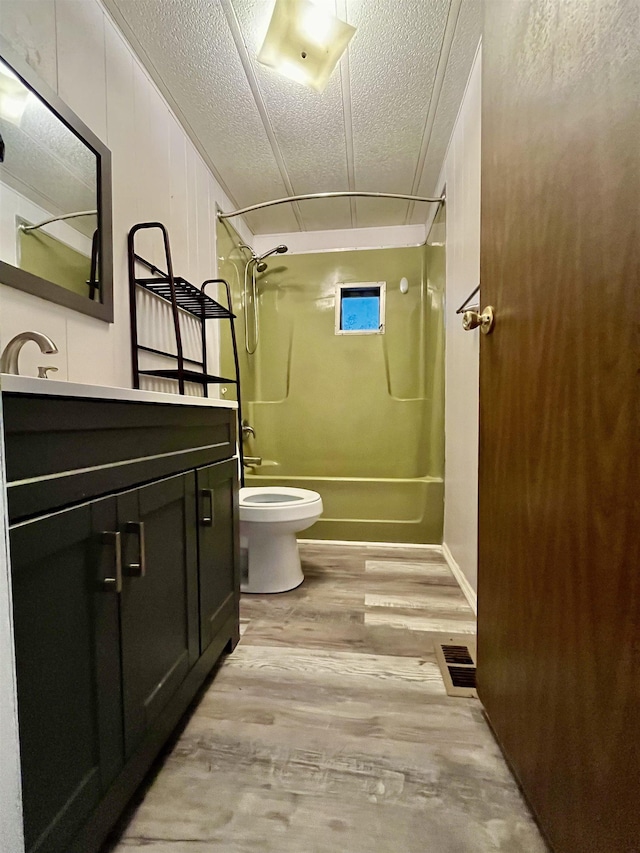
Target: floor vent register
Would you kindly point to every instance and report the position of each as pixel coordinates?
(456, 655)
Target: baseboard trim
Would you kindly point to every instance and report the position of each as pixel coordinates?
(362, 544)
(467, 590)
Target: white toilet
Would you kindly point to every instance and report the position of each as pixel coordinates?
(270, 517)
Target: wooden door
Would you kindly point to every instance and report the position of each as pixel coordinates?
(218, 547)
(159, 604)
(68, 668)
(559, 560)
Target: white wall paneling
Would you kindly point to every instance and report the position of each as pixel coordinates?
(203, 218)
(178, 197)
(81, 62)
(461, 174)
(31, 29)
(121, 135)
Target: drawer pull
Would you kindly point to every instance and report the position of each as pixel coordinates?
(114, 584)
(207, 519)
(139, 569)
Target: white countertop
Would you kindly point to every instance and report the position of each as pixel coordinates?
(32, 385)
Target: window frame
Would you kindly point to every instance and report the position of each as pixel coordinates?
(362, 285)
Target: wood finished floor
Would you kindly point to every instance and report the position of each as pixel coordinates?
(329, 728)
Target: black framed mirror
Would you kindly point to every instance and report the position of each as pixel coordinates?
(55, 196)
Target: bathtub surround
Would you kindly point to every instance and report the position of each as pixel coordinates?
(330, 729)
(357, 418)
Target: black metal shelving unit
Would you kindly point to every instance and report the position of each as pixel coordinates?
(180, 294)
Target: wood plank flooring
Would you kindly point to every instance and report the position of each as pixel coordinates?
(329, 728)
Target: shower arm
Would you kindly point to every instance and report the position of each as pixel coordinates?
(347, 194)
(249, 249)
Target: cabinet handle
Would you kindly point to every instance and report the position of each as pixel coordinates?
(114, 584)
(139, 569)
(207, 520)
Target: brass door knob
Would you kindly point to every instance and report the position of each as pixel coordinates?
(471, 320)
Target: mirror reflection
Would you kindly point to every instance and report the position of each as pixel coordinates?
(48, 193)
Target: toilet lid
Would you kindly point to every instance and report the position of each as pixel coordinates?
(264, 496)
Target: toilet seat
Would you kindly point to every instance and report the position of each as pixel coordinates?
(278, 503)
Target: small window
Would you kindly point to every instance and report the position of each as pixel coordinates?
(360, 308)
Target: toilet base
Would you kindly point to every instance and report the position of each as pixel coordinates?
(271, 560)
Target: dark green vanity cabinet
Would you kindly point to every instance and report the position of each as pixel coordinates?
(125, 594)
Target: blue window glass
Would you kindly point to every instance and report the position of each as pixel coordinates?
(360, 309)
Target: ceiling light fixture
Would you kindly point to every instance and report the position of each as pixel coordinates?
(304, 42)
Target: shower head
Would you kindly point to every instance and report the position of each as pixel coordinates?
(278, 250)
(261, 266)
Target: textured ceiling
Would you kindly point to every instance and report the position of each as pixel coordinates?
(382, 124)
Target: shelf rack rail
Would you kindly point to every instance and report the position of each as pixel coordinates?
(180, 294)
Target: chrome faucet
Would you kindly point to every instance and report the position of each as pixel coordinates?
(9, 359)
(247, 430)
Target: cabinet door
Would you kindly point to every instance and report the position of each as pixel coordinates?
(218, 547)
(68, 667)
(159, 604)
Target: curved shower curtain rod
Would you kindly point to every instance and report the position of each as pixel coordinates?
(346, 194)
(27, 228)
